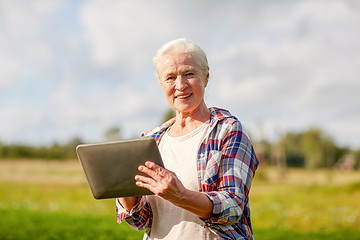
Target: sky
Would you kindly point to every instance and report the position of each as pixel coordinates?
(71, 68)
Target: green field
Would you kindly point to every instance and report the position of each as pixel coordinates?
(51, 200)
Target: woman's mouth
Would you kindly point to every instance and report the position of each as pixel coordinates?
(183, 96)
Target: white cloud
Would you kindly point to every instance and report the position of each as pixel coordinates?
(122, 33)
(288, 65)
(24, 27)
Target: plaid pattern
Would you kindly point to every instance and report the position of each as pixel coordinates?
(226, 166)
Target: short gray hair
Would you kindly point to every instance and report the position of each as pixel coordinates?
(181, 45)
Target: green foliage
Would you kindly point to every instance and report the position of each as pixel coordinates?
(318, 150)
(311, 149)
(37, 206)
(293, 152)
(276, 234)
(28, 224)
(357, 157)
(55, 151)
(113, 134)
(316, 204)
(170, 113)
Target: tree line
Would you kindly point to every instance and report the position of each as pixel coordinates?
(54, 152)
(309, 149)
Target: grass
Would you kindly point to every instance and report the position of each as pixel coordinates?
(51, 200)
(31, 224)
(307, 205)
(276, 234)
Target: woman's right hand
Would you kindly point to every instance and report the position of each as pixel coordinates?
(127, 202)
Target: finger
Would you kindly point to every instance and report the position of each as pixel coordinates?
(143, 179)
(155, 172)
(146, 170)
(147, 183)
(160, 170)
(147, 186)
(150, 164)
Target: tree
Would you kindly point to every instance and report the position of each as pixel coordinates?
(170, 113)
(293, 150)
(278, 156)
(113, 134)
(311, 149)
(311, 145)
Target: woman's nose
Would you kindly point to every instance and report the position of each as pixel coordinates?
(181, 83)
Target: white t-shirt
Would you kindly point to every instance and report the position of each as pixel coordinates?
(179, 155)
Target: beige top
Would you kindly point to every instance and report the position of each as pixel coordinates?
(169, 221)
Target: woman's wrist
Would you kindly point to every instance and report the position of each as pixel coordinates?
(127, 202)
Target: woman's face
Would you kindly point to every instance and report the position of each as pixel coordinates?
(183, 82)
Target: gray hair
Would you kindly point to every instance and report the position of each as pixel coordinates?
(181, 45)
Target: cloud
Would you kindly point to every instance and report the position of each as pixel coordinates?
(24, 28)
(82, 67)
(122, 33)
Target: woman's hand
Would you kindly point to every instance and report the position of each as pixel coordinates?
(167, 185)
(161, 182)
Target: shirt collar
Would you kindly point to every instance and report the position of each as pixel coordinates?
(217, 114)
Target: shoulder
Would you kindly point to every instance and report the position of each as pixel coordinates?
(231, 133)
(221, 114)
(227, 129)
(223, 119)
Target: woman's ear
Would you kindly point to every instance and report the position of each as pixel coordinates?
(207, 79)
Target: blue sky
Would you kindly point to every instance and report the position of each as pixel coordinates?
(75, 68)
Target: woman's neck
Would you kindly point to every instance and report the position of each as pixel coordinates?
(186, 123)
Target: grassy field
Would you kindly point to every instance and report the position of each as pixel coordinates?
(51, 200)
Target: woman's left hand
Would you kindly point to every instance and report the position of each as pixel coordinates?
(161, 182)
(167, 185)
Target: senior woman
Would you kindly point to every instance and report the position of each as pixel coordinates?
(203, 191)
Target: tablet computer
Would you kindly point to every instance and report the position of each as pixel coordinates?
(110, 168)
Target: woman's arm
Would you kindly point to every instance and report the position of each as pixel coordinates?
(138, 215)
(233, 166)
(197, 203)
(127, 202)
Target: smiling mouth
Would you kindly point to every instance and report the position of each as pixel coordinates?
(183, 96)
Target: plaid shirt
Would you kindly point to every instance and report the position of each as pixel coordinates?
(226, 165)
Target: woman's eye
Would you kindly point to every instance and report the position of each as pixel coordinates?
(189, 74)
